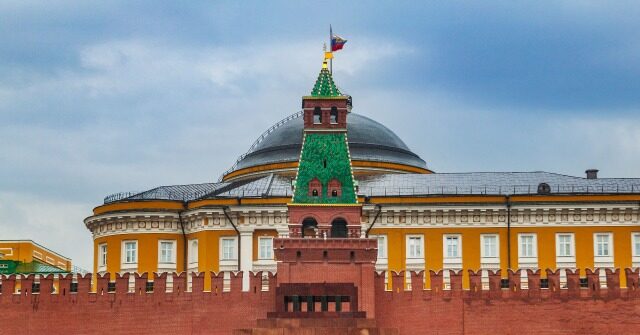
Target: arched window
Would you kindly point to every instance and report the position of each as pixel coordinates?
(334, 114)
(315, 187)
(334, 188)
(309, 227)
(317, 115)
(339, 228)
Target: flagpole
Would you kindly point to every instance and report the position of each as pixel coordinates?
(331, 48)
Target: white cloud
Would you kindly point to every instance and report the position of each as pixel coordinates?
(137, 114)
(56, 224)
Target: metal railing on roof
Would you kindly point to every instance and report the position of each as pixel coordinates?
(260, 139)
(496, 190)
(157, 195)
(118, 196)
(282, 191)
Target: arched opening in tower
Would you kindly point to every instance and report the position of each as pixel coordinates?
(309, 227)
(339, 228)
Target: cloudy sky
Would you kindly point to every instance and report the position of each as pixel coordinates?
(103, 97)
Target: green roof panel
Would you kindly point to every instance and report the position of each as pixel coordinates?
(325, 87)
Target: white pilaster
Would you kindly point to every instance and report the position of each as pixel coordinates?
(246, 257)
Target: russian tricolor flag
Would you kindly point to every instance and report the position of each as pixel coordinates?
(337, 43)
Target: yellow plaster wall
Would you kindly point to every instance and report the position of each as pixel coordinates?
(147, 251)
(23, 251)
(433, 239)
(209, 251)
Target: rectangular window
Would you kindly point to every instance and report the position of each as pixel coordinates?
(382, 247)
(228, 249)
(317, 115)
(565, 245)
(265, 247)
(452, 246)
(102, 255)
(131, 252)
(635, 244)
(489, 245)
(528, 246)
(166, 252)
(603, 245)
(193, 251)
(414, 247)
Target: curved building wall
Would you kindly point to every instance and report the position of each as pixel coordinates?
(430, 219)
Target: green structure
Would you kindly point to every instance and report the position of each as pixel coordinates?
(324, 170)
(8, 267)
(325, 157)
(324, 86)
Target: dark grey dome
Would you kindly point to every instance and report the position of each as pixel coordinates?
(368, 141)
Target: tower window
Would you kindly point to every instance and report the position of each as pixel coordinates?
(334, 187)
(334, 114)
(315, 187)
(317, 115)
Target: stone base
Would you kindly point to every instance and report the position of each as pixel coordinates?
(313, 326)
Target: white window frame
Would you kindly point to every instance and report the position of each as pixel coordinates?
(635, 251)
(452, 261)
(102, 256)
(486, 260)
(483, 246)
(417, 252)
(193, 253)
(234, 249)
(415, 261)
(603, 260)
(269, 254)
(597, 244)
(382, 260)
(566, 261)
(132, 264)
(172, 256)
(382, 246)
(228, 264)
(526, 260)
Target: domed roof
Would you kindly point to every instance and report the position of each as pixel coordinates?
(368, 141)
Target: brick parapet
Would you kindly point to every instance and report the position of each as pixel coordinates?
(115, 309)
(496, 288)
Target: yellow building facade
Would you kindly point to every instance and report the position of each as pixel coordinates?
(422, 220)
(27, 251)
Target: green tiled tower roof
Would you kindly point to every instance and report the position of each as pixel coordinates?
(325, 87)
(325, 156)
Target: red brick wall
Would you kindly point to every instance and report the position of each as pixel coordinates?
(576, 310)
(592, 310)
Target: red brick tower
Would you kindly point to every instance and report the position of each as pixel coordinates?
(325, 268)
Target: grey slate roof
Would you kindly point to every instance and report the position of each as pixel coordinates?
(491, 183)
(498, 183)
(368, 140)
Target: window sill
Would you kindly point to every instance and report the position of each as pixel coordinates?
(128, 266)
(565, 259)
(452, 263)
(603, 259)
(415, 260)
(493, 260)
(382, 261)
